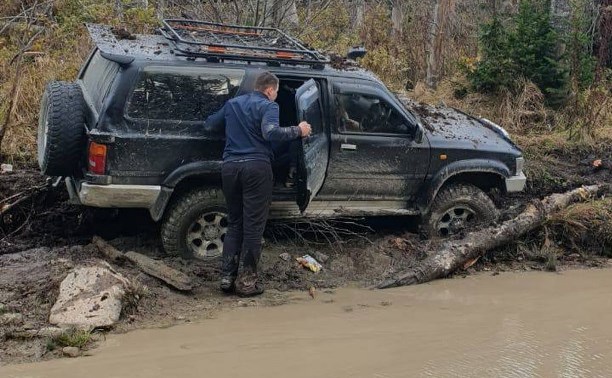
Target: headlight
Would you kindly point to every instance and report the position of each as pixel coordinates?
(497, 128)
(520, 163)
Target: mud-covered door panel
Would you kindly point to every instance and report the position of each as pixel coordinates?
(314, 154)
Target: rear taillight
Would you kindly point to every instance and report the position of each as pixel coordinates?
(97, 158)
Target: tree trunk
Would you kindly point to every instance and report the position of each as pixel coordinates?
(12, 99)
(454, 254)
(359, 9)
(397, 17)
(441, 15)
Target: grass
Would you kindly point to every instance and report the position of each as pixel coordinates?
(71, 338)
(585, 227)
(133, 294)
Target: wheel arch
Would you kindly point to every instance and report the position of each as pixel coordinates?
(483, 174)
(206, 174)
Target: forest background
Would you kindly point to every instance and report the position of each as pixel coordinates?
(542, 69)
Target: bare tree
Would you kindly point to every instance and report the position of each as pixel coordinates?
(397, 17)
(442, 13)
(25, 38)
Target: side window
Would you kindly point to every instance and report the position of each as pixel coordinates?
(357, 112)
(182, 93)
(98, 78)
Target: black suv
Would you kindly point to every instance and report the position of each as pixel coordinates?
(130, 132)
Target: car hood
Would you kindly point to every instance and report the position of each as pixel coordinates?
(445, 124)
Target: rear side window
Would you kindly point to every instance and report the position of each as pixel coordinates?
(182, 93)
(98, 78)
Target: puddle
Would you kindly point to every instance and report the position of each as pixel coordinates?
(512, 325)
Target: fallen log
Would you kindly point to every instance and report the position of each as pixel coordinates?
(455, 254)
(151, 267)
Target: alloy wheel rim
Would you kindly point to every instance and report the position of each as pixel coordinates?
(206, 235)
(455, 219)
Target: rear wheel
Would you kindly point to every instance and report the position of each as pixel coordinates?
(195, 225)
(458, 208)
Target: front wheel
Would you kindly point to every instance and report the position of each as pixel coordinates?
(195, 225)
(458, 208)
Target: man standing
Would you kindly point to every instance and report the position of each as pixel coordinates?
(251, 124)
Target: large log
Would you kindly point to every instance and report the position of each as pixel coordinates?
(456, 253)
(152, 267)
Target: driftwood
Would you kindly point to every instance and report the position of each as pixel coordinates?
(455, 254)
(151, 267)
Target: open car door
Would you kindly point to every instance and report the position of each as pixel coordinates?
(314, 154)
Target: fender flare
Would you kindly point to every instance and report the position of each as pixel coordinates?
(195, 169)
(458, 167)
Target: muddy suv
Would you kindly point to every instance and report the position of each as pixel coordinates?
(131, 132)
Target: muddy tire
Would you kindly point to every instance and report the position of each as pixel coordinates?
(195, 225)
(458, 208)
(61, 130)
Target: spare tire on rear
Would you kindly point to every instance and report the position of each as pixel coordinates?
(61, 129)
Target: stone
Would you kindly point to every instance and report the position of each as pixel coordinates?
(321, 257)
(11, 319)
(285, 256)
(51, 332)
(89, 297)
(71, 351)
(3, 308)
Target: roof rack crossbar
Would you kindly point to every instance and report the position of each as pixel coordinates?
(209, 39)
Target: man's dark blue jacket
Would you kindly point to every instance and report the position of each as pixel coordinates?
(251, 124)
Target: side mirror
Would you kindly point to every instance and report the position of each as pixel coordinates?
(418, 134)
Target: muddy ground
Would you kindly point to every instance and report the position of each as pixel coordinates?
(43, 237)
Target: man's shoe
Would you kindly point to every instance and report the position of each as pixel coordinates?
(227, 284)
(247, 285)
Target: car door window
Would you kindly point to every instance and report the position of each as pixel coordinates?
(364, 113)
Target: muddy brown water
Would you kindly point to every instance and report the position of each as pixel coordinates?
(513, 325)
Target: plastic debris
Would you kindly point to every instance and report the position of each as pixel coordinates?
(309, 262)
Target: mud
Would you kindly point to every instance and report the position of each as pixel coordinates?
(510, 325)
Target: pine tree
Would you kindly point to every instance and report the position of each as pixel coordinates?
(529, 50)
(534, 52)
(494, 70)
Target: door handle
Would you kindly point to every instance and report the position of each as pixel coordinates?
(348, 147)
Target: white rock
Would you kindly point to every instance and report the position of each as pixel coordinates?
(71, 351)
(89, 297)
(6, 168)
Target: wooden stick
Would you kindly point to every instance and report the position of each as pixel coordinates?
(151, 267)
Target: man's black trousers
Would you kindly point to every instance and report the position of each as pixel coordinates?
(247, 187)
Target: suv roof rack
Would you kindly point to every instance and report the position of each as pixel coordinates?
(215, 41)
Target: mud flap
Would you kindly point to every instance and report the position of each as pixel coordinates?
(314, 151)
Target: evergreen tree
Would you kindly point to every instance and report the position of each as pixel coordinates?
(534, 52)
(529, 50)
(494, 70)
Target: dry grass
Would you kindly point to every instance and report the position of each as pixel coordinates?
(575, 128)
(585, 227)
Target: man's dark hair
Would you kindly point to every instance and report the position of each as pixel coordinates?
(265, 80)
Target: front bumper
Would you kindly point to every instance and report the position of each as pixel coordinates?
(516, 183)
